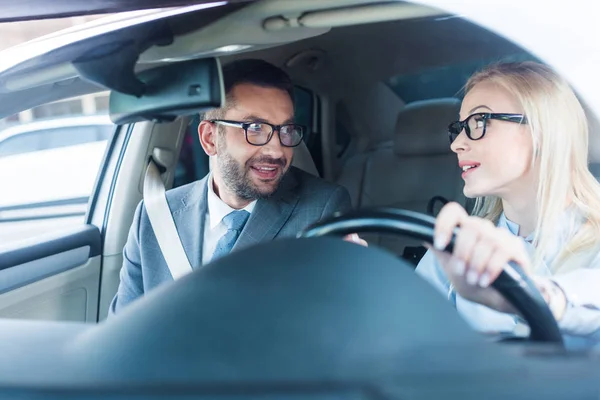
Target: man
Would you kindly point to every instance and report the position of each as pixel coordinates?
(252, 194)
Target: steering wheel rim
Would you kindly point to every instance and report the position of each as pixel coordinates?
(512, 283)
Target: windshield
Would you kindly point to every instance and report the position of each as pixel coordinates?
(352, 98)
(443, 81)
(14, 33)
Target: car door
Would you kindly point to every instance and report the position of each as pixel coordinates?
(65, 210)
(50, 253)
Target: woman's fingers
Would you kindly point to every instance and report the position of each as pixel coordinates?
(496, 264)
(467, 239)
(508, 248)
(450, 217)
(478, 267)
(475, 245)
(481, 250)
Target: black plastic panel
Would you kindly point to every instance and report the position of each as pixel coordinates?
(85, 235)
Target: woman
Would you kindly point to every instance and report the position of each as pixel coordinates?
(522, 143)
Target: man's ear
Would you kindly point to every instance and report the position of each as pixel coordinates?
(207, 132)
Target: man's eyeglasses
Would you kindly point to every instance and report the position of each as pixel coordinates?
(260, 133)
(475, 124)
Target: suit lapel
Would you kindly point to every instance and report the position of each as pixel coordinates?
(270, 215)
(189, 220)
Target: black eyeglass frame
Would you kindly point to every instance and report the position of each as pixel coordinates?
(456, 127)
(274, 128)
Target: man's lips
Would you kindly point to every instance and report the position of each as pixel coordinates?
(266, 171)
(265, 167)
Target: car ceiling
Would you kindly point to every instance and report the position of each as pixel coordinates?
(366, 52)
(374, 52)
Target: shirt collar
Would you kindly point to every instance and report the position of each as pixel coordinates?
(513, 227)
(217, 208)
(563, 230)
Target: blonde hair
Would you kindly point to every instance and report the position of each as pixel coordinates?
(559, 128)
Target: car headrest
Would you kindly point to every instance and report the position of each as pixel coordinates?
(594, 136)
(303, 160)
(421, 127)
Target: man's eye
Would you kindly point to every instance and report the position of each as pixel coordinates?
(256, 128)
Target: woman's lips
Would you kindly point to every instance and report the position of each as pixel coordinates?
(468, 167)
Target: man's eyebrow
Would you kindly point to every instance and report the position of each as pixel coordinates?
(254, 118)
(481, 106)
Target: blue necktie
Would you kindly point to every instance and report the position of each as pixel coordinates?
(234, 221)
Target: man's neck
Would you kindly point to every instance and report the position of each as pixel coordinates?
(227, 196)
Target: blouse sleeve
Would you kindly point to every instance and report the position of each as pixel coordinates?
(582, 290)
(431, 271)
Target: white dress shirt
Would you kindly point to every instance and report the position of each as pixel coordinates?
(580, 324)
(214, 227)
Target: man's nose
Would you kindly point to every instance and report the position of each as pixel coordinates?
(273, 147)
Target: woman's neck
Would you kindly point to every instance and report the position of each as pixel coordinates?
(522, 212)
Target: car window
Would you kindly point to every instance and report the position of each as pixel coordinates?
(342, 133)
(303, 109)
(304, 114)
(49, 160)
(45, 139)
(75, 135)
(21, 144)
(193, 163)
(444, 81)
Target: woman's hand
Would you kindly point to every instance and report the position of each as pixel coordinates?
(480, 253)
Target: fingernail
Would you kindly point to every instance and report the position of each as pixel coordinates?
(472, 277)
(440, 242)
(484, 280)
(459, 267)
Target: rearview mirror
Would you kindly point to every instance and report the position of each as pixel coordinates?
(170, 91)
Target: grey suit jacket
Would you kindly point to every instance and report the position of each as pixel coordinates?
(301, 200)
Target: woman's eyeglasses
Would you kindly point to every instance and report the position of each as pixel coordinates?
(475, 124)
(260, 133)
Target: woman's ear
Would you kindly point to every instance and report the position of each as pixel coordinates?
(207, 132)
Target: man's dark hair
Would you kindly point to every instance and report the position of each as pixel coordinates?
(256, 72)
(252, 71)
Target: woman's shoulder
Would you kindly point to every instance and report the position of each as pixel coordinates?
(588, 257)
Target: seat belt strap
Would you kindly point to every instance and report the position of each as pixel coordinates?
(163, 224)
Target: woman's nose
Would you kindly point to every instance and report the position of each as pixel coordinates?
(461, 143)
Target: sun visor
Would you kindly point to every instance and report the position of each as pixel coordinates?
(170, 91)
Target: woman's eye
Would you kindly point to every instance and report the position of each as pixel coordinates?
(479, 122)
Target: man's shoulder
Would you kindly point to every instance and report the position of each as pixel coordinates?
(185, 196)
(310, 184)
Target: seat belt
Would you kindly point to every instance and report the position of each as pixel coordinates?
(161, 218)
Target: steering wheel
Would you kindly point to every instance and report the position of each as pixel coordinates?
(512, 283)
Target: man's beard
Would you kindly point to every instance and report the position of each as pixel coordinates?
(235, 175)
